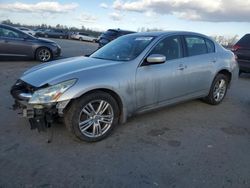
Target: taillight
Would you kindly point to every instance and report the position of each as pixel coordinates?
(236, 47)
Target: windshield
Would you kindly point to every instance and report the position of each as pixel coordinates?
(125, 48)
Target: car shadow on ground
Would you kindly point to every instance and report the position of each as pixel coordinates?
(245, 75)
(15, 59)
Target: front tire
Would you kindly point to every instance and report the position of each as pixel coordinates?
(218, 90)
(92, 117)
(43, 54)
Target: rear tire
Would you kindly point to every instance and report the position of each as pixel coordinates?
(80, 39)
(92, 117)
(218, 90)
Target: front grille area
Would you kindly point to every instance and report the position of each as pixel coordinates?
(21, 87)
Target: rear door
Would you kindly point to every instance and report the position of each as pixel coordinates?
(200, 60)
(84, 36)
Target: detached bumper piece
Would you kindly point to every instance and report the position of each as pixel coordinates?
(40, 116)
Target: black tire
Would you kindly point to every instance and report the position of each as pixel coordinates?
(61, 37)
(74, 113)
(46, 36)
(211, 99)
(80, 39)
(43, 58)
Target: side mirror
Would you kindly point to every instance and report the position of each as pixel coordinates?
(156, 59)
(26, 37)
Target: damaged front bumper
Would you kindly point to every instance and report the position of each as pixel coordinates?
(41, 116)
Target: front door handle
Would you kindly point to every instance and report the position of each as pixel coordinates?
(181, 67)
(5, 41)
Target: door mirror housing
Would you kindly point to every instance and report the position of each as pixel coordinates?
(156, 59)
(26, 37)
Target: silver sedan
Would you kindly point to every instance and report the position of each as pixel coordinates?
(132, 74)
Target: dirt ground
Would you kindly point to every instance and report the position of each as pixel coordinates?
(187, 145)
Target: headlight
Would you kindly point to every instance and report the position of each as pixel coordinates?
(51, 93)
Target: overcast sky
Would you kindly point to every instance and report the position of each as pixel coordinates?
(211, 17)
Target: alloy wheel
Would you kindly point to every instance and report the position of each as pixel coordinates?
(220, 89)
(44, 55)
(96, 118)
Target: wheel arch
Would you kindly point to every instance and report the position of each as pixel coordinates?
(115, 95)
(226, 73)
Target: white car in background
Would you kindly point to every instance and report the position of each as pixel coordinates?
(27, 30)
(83, 37)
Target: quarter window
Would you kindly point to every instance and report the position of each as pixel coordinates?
(195, 45)
(169, 47)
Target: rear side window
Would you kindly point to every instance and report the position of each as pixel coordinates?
(210, 46)
(195, 45)
(245, 40)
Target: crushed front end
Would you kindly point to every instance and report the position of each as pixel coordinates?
(40, 115)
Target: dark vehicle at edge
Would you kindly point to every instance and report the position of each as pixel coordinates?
(110, 35)
(242, 50)
(54, 33)
(15, 43)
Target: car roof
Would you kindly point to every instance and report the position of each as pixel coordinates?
(120, 30)
(23, 28)
(7, 26)
(13, 28)
(10, 27)
(164, 33)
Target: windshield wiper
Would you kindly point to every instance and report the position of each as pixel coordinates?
(100, 58)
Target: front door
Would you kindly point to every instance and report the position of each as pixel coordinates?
(157, 83)
(14, 43)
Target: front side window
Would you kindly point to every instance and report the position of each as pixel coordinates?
(9, 33)
(169, 47)
(195, 45)
(124, 48)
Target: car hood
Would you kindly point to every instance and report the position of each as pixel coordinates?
(45, 40)
(60, 70)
